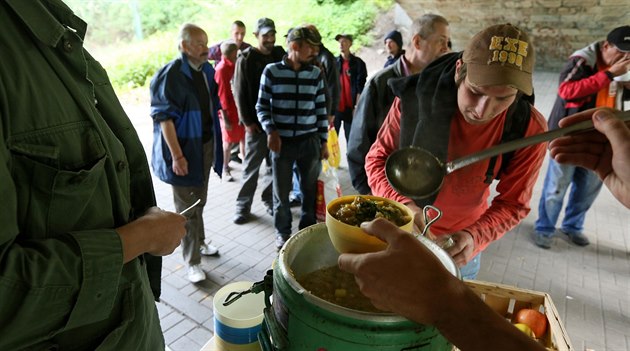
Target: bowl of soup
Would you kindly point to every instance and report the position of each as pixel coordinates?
(345, 214)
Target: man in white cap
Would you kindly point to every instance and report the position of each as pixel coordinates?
(589, 79)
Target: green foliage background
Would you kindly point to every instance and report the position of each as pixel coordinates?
(131, 61)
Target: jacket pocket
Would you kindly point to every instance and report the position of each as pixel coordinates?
(31, 315)
(62, 181)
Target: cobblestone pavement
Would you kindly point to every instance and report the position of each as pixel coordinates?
(590, 286)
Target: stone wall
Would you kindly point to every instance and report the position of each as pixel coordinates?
(557, 27)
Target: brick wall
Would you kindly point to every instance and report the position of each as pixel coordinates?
(557, 27)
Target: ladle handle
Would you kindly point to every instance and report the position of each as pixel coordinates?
(524, 142)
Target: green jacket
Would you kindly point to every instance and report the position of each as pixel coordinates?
(71, 169)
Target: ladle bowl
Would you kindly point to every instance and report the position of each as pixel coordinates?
(416, 173)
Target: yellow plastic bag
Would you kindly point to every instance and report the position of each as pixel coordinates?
(328, 188)
(334, 154)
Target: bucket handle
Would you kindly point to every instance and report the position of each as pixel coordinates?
(265, 285)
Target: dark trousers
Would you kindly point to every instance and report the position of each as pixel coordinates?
(305, 154)
(346, 118)
(256, 151)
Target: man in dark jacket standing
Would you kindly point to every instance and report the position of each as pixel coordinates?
(394, 46)
(352, 77)
(249, 67)
(187, 137)
(428, 42)
(587, 81)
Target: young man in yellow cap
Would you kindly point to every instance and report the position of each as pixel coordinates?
(460, 104)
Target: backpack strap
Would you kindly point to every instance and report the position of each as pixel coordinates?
(516, 123)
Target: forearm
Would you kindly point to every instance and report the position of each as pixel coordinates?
(133, 237)
(170, 136)
(579, 89)
(499, 219)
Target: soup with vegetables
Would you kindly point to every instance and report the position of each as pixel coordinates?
(364, 210)
(338, 287)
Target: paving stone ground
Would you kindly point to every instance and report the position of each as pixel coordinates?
(590, 286)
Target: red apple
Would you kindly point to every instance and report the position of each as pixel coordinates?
(535, 320)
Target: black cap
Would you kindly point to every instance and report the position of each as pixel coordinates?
(265, 25)
(344, 36)
(303, 33)
(620, 38)
(396, 37)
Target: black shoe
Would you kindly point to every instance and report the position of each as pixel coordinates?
(578, 238)
(235, 158)
(241, 218)
(295, 202)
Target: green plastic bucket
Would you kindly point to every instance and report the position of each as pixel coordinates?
(299, 320)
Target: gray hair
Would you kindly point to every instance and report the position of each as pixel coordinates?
(425, 25)
(228, 47)
(186, 32)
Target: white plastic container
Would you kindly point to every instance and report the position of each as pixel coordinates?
(236, 326)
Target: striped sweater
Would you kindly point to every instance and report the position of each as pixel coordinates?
(292, 102)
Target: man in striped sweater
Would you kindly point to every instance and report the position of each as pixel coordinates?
(292, 110)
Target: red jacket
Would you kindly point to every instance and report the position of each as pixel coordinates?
(464, 196)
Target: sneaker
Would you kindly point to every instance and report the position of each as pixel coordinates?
(578, 238)
(241, 218)
(208, 250)
(196, 274)
(280, 240)
(542, 240)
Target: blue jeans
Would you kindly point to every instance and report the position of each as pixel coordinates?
(584, 190)
(296, 193)
(306, 155)
(471, 269)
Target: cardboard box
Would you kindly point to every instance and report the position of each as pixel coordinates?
(507, 300)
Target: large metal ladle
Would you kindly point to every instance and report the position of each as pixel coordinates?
(416, 173)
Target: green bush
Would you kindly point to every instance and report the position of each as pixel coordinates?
(131, 63)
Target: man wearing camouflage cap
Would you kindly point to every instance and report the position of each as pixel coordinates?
(292, 110)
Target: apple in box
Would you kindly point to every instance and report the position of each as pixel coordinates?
(534, 319)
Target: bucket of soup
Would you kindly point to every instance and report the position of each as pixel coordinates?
(301, 320)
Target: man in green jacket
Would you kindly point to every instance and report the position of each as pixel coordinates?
(80, 231)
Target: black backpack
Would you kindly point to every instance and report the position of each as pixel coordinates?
(515, 127)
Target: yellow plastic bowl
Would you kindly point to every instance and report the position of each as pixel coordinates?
(347, 238)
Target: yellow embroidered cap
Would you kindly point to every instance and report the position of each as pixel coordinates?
(501, 55)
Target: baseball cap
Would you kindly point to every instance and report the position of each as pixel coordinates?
(396, 37)
(501, 55)
(345, 36)
(303, 33)
(265, 25)
(620, 38)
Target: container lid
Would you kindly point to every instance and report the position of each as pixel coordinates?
(245, 312)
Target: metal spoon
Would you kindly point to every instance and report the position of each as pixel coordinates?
(416, 173)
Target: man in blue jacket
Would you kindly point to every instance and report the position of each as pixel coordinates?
(187, 136)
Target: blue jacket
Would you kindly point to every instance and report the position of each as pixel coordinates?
(173, 96)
